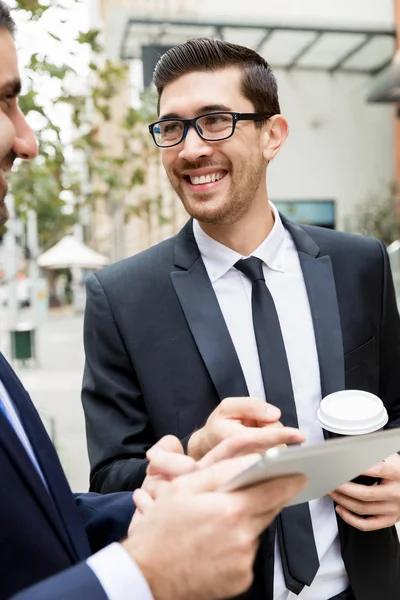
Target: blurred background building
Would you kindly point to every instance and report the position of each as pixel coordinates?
(341, 155)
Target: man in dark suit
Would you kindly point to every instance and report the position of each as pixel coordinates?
(243, 302)
(57, 546)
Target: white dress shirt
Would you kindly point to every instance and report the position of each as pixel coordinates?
(284, 278)
(114, 568)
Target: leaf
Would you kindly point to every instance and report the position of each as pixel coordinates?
(163, 220)
(54, 36)
(28, 103)
(138, 177)
(59, 72)
(36, 8)
(104, 111)
(90, 37)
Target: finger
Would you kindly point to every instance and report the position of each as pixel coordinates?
(369, 493)
(154, 486)
(363, 508)
(214, 476)
(249, 407)
(168, 443)
(142, 500)
(170, 465)
(229, 448)
(370, 524)
(272, 495)
(251, 441)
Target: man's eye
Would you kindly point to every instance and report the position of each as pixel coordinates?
(215, 120)
(171, 128)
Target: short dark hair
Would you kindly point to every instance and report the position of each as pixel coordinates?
(6, 21)
(207, 54)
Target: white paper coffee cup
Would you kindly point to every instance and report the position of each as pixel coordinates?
(352, 412)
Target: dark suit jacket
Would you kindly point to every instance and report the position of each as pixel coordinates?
(159, 359)
(46, 537)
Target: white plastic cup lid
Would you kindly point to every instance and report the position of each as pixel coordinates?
(352, 412)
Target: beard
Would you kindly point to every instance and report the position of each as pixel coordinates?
(229, 208)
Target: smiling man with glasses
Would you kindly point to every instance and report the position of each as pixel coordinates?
(194, 335)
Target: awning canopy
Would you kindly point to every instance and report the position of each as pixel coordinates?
(70, 252)
(285, 46)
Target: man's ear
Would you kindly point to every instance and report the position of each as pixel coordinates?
(276, 132)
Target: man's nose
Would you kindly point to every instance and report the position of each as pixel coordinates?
(25, 145)
(193, 146)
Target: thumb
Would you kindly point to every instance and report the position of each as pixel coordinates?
(168, 443)
(170, 464)
(211, 478)
(386, 469)
(249, 407)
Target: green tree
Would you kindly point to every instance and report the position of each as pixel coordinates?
(55, 185)
(376, 217)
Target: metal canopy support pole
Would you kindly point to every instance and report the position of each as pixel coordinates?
(304, 50)
(219, 32)
(33, 245)
(380, 68)
(351, 53)
(264, 38)
(10, 272)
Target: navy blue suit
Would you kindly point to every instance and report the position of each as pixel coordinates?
(47, 535)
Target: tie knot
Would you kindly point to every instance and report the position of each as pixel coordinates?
(251, 267)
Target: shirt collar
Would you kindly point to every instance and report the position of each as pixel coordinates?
(219, 259)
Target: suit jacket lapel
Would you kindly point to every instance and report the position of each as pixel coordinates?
(58, 505)
(321, 290)
(204, 317)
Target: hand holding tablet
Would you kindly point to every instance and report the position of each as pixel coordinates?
(327, 465)
(352, 415)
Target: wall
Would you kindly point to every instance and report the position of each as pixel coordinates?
(339, 147)
(345, 12)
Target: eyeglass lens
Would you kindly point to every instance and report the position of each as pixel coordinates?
(210, 127)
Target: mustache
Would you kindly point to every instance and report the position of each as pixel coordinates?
(8, 161)
(198, 164)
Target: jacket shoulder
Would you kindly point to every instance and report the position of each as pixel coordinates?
(156, 257)
(332, 239)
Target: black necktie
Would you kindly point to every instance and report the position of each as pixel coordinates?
(294, 528)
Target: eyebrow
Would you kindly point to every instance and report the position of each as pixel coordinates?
(12, 87)
(208, 108)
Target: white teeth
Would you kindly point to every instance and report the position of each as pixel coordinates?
(210, 178)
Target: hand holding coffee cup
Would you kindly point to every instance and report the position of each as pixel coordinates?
(352, 412)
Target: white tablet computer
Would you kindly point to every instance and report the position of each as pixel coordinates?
(327, 465)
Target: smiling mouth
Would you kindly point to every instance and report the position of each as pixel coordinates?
(204, 179)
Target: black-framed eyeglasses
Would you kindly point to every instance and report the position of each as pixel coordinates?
(212, 127)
